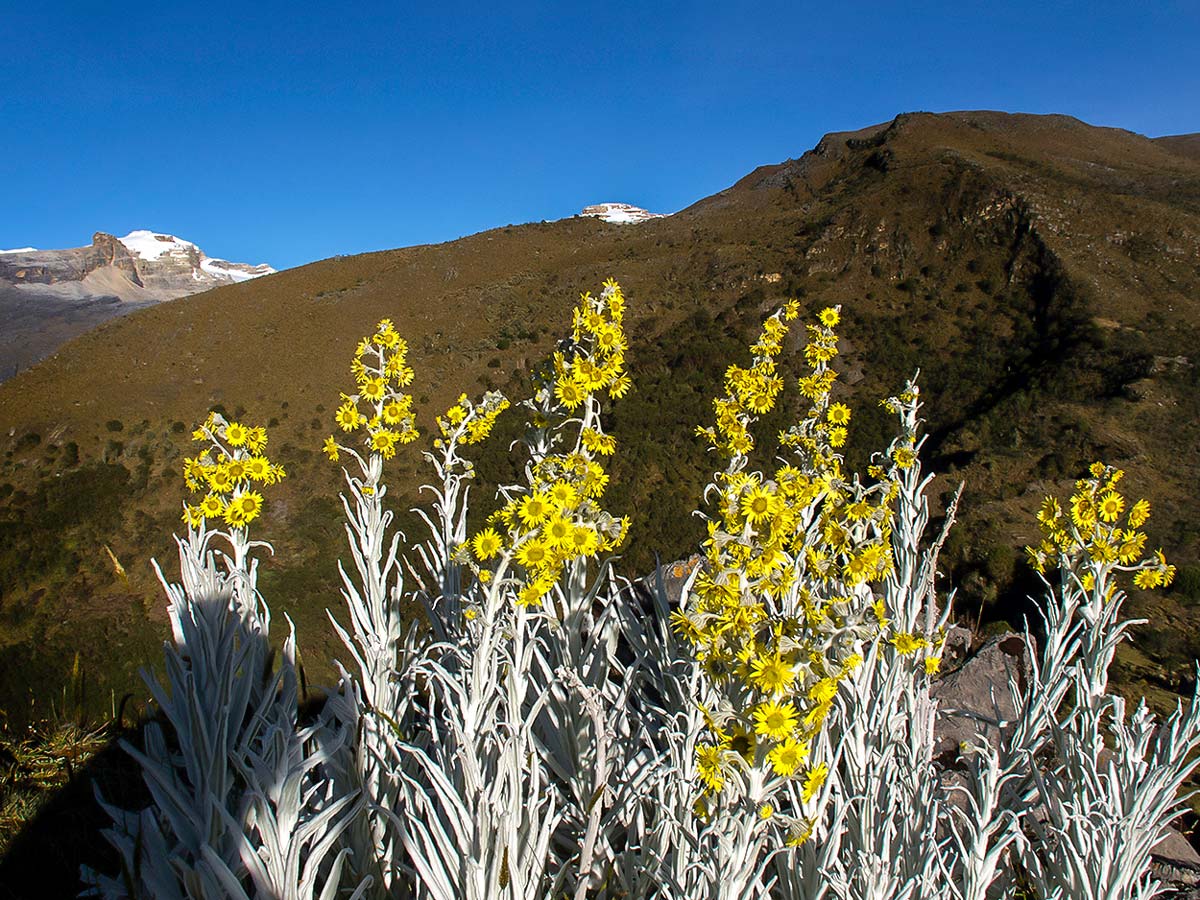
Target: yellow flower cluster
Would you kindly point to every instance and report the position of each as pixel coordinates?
(381, 371)
(1097, 533)
(558, 518)
(784, 599)
(227, 473)
(468, 423)
(751, 392)
(596, 361)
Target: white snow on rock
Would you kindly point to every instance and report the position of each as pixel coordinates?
(150, 245)
(21, 250)
(619, 213)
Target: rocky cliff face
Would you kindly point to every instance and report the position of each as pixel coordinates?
(50, 296)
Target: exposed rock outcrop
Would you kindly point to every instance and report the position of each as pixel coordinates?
(50, 296)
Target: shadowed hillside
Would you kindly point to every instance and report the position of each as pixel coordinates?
(1043, 274)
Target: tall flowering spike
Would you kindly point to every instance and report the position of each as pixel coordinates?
(557, 517)
(791, 590)
(1096, 533)
(380, 409)
(226, 475)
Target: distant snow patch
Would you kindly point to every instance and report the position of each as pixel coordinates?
(21, 250)
(619, 213)
(150, 245)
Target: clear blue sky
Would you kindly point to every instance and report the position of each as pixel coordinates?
(288, 132)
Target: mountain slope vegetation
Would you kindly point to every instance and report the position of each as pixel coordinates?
(1042, 273)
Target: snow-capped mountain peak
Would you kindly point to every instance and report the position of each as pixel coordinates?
(153, 246)
(619, 213)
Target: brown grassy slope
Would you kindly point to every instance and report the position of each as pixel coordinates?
(1042, 273)
(1182, 144)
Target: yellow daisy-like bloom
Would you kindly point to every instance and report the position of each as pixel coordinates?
(250, 505)
(823, 691)
(558, 531)
(906, 643)
(709, 761)
(394, 412)
(830, 317)
(219, 480)
(563, 495)
(1139, 513)
(212, 507)
(771, 673)
(1111, 506)
(569, 393)
(785, 757)
(933, 665)
(585, 541)
(258, 468)
(234, 515)
(533, 554)
(759, 504)
(486, 544)
(535, 509)
(1148, 579)
(236, 433)
(373, 389)
(384, 442)
(193, 515)
(348, 417)
(813, 781)
(838, 414)
(331, 449)
(775, 720)
(904, 457)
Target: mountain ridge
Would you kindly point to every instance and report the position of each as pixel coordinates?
(1043, 274)
(49, 296)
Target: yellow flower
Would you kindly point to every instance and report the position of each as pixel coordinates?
(347, 416)
(249, 506)
(219, 480)
(906, 643)
(904, 457)
(1112, 505)
(584, 541)
(486, 544)
(535, 509)
(823, 690)
(236, 433)
(838, 414)
(373, 389)
(384, 442)
(212, 507)
(759, 504)
(775, 720)
(830, 316)
(569, 393)
(786, 756)
(1139, 513)
(932, 665)
(533, 554)
(771, 674)
(813, 780)
(331, 449)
